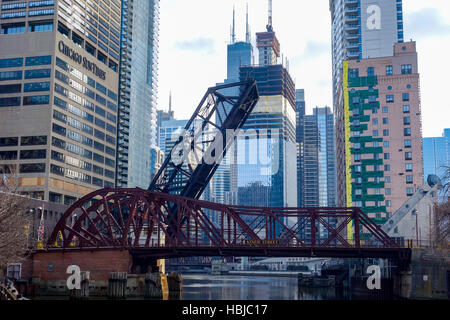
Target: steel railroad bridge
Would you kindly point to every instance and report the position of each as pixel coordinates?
(168, 220)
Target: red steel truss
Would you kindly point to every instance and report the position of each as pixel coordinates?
(137, 219)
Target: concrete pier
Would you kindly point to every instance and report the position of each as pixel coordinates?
(117, 285)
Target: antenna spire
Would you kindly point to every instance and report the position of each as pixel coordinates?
(170, 101)
(269, 25)
(247, 34)
(233, 35)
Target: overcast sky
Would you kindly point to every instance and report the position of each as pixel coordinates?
(194, 35)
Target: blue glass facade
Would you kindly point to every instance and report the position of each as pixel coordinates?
(436, 155)
(138, 92)
(222, 186)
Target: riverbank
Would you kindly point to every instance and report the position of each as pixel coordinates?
(289, 274)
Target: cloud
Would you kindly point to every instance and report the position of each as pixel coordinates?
(324, 83)
(200, 44)
(313, 50)
(427, 22)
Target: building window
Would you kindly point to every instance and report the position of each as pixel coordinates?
(385, 109)
(406, 69)
(406, 121)
(389, 70)
(77, 39)
(11, 75)
(406, 109)
(10, 102)
(405, 96)
(101, 57)
(389, 98)
(386, 133)
(388, 203)
(36, 86)
(33, 141)
(33, 154)
(407, 132)
(8, 155)
(375, 133)
(63, 29)
(38, 61)
(354, 73)
(9, 142)
(385, 120)
(407, 143)
(409, 192)
(408, 167)
(38, 73)
(36, 100)
(408, 155)
(370, 71)
(40, 26)
(11, 88)
(387, 167)
(59, 130)
(387, 179)
(13, 28)
(32, 168)
(375, 121)
(387, 156)
(11, 63)
(409, 179)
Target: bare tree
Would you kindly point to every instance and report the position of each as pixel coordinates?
(442, 215)
(13, 219)
(447, 181)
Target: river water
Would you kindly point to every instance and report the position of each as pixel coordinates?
(228, 287)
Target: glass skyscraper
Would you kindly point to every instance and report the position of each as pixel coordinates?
(138, 92)
(436, 155)
(319, 164)
(319, 167)
(223, 184)
(300, 106)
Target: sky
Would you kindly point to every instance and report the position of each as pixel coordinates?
(194, 35)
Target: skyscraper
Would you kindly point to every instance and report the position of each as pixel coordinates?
(138, 92)
(267, 148)
(59, 77)
(239, 53)
(436, 155)
(382, 131)
(300, 111)
(319, 166)
(360, 29)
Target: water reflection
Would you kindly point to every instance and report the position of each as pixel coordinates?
(225, 287)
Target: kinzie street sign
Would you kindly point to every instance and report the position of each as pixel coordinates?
(262, 242)
(88, 65)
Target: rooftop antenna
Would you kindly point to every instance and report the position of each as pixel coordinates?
(233, 35)
(247, 35)
(269, 25)
(170, 101)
